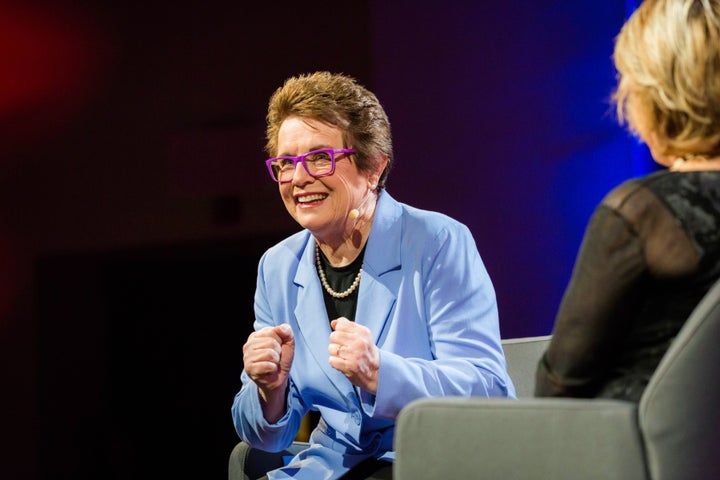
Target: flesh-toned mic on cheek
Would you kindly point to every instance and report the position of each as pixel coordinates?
(353, 214)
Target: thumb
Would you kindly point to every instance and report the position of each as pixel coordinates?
(339, 320)
(285, 333)
(287, 346)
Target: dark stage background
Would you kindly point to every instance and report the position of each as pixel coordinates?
(134, 203)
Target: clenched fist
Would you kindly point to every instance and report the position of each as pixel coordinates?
(267, 356)
(354, 353)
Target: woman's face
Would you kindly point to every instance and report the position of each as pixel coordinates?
(321, 204)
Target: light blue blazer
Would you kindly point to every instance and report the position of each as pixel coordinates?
(427, 299)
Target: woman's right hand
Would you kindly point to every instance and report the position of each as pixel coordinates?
(267, 356)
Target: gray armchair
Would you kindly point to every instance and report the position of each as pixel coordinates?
(673, 433)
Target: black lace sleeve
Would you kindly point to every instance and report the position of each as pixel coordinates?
(595, 307)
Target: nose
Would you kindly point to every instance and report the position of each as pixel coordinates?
(300, 175)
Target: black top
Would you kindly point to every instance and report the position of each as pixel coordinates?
(340, 279)
(650, 253)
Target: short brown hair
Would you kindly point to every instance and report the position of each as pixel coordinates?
(341, 101)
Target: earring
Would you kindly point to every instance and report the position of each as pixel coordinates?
(372, 186)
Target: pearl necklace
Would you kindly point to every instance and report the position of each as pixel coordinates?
(326, 285)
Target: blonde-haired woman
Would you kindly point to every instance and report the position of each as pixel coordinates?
(652, 247)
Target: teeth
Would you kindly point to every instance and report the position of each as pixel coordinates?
(310, 198)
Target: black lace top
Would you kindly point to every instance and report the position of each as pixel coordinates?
(650, 253)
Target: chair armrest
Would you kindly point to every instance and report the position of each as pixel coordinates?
(524, 439)
(247, 463)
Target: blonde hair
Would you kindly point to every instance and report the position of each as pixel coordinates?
(340, 101)
(668, 60)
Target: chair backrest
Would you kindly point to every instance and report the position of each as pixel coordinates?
(522, 355)
(679, 412)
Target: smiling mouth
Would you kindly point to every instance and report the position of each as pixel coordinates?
(315, 197)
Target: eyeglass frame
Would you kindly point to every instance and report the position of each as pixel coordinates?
(301, 159)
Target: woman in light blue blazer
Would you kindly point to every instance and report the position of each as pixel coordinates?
(372, 305)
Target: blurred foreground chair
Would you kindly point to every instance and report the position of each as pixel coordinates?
(247, 463)
(673, 433)
(522, 355)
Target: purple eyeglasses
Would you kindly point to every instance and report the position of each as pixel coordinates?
(317, 163)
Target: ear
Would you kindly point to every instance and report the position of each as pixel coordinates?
(374, 177)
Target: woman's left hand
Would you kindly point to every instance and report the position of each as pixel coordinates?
(354, 353)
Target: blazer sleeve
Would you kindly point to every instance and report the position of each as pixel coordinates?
(248, 418)
(461, 315)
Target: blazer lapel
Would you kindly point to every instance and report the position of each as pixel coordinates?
(381, 267)
(312, 317)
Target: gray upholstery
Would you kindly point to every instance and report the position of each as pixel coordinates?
(523, 439)
(680, 409)
(673, 433)
(522, 355)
